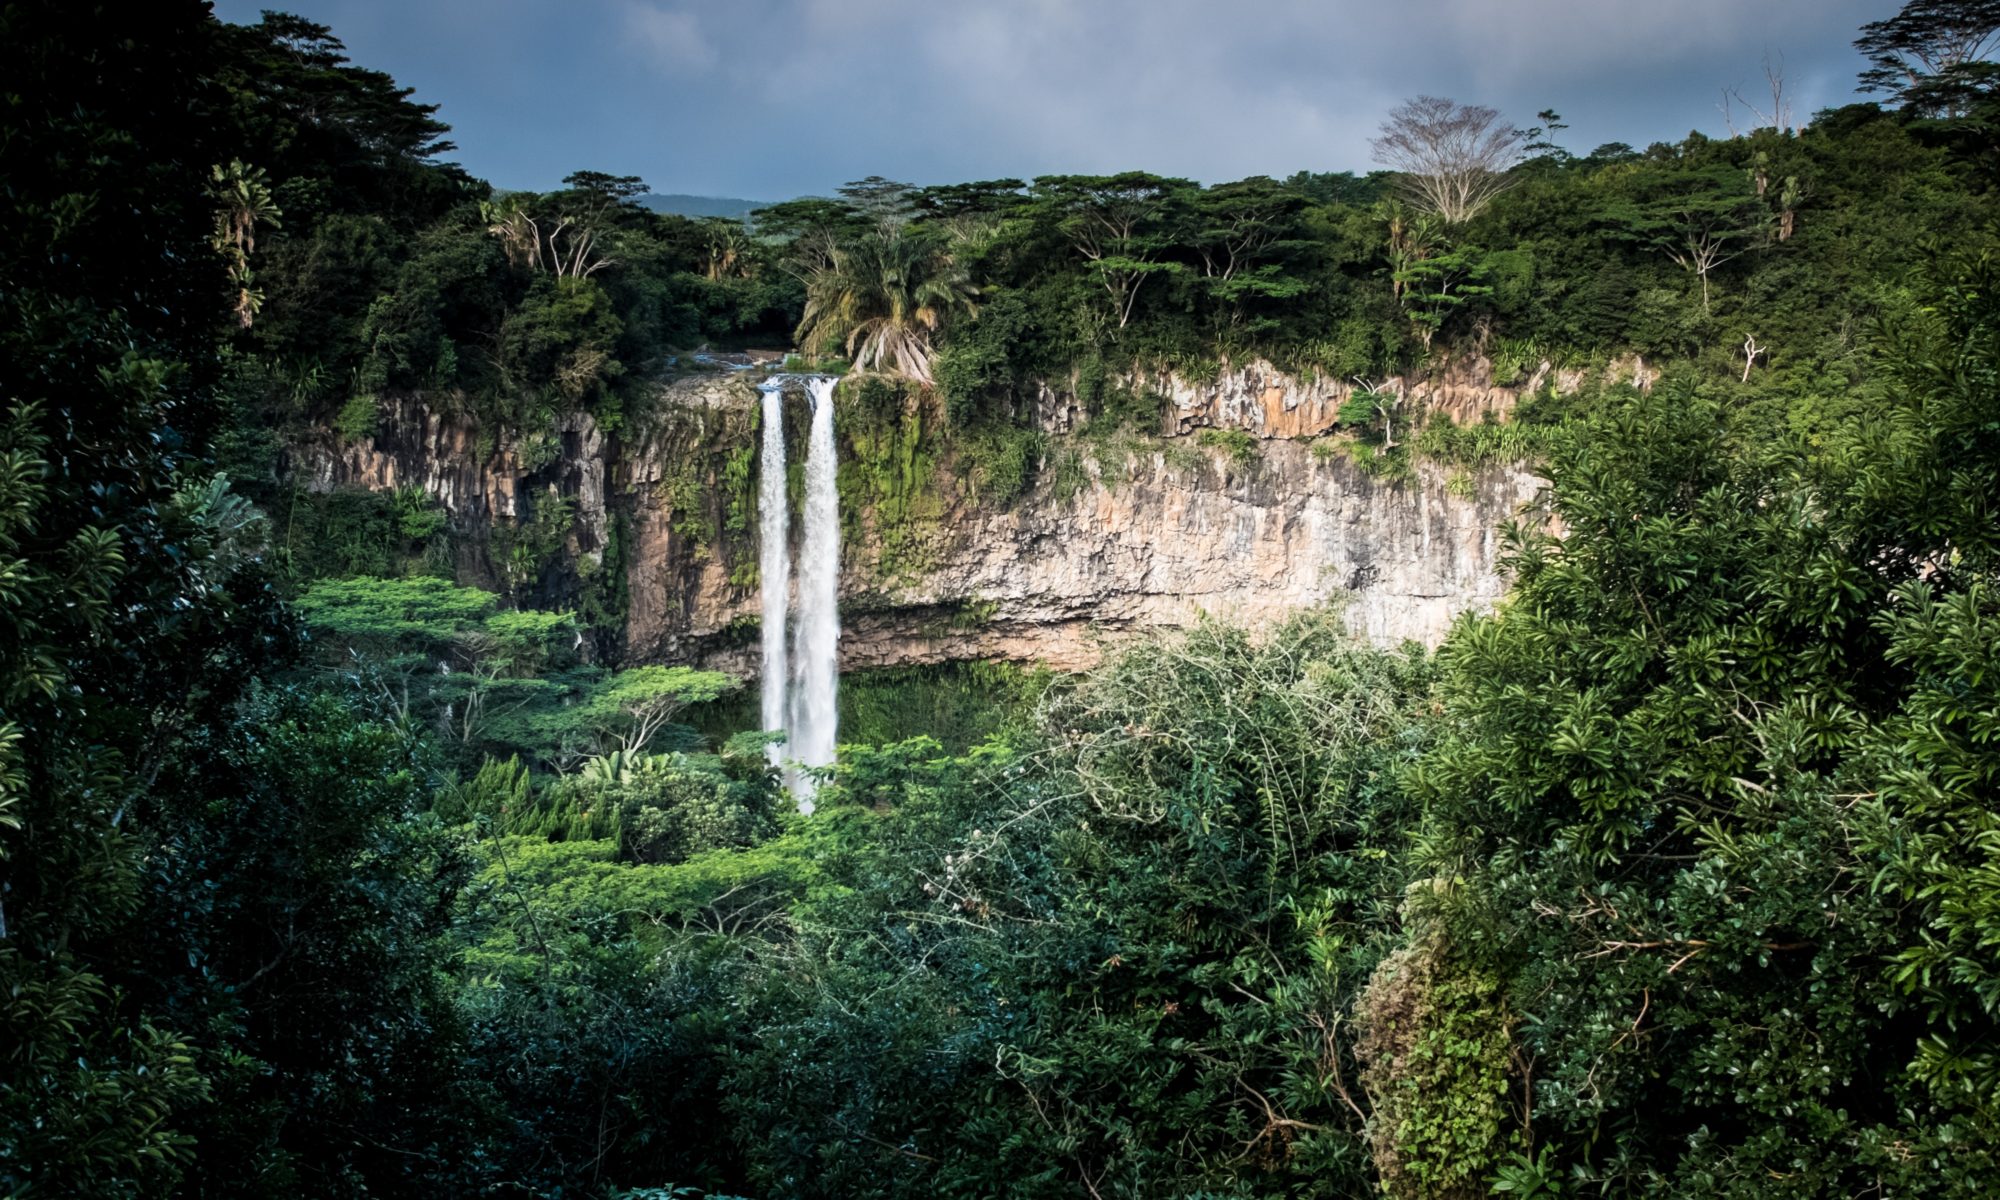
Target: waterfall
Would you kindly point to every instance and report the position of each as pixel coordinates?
(799, 688)
(816, 645)
(774, 561)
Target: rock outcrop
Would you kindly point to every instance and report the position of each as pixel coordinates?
(1169, 528)
(1249, 541)
(1266, 402)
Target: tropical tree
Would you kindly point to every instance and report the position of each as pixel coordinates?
(1453, 158)
(425, 647)
(1241, 225)
(625, 711)
(1369, 407)
(886, 202)
(985, 196)
(1244, 233)
(244, 198)
(726, 241)
(883, 295)
(1700, 220)
(1411, 238)
(606, 189)
(1120, 225)
(1438, 285)
(1932, 53)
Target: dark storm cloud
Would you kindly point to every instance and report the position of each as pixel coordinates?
(772, 98)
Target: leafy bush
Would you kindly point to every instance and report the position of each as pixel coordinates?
(359, 418)
(1236, 445)
(1433, 1047)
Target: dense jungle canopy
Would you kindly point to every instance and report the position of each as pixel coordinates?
(323, 873)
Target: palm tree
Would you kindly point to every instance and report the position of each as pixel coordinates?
(243, 199)
(728, 248)
(883, 295)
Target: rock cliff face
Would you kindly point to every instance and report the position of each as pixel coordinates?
(1262, 400)
(1153, 534)
(1050, 579)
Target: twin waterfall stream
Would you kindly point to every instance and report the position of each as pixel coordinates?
(800, 681)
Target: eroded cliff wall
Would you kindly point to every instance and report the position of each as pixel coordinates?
(1147, 530)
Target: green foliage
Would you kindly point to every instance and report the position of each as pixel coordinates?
(1676, 875)
(658, 808)
(1489, 442)
(1933, 472)
(1235, 444)
(739, 484)
(126, 602)
(1527, 1177)
(1069, 472)
(587, 1030)
(1930, 55)
(891, 472)
(606, 587)
(622, 710)
(417, 518)
(1699, 219)
(558, 343)
(1514, 358)
(292, 860)
(358, 419)
(489, 681)
(499, 792)
(1139, 936)
(684, 488)
(529, 548)
(384, 612)
(879, 295)
(349, 531)
(1433, 1046)
(1440, 285)
(670, 816)
(1000, 462)
(960, 705)
(1698, 719)
(1371, 412)
(493, 680)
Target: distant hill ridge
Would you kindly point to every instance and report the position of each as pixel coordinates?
(701, 206)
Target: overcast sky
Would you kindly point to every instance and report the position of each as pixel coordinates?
(767, 99)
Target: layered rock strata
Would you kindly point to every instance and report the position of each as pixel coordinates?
(1169, 528)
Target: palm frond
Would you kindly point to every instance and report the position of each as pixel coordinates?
(882, 297)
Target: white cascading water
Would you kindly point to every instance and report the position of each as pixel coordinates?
(816, 646)
(774, 565)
